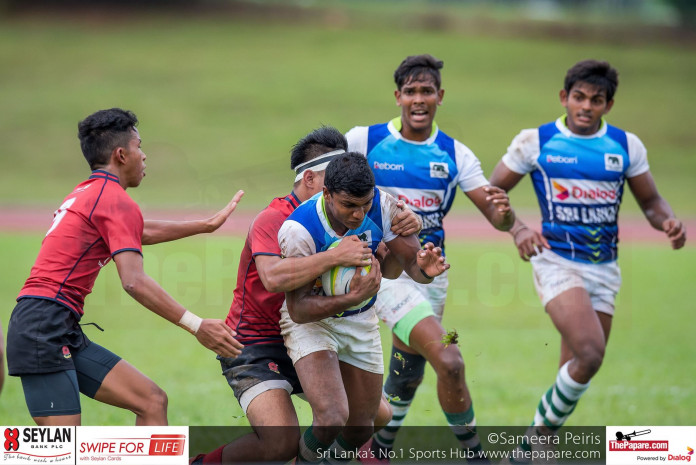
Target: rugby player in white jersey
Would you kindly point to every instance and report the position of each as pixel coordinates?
(578, 165)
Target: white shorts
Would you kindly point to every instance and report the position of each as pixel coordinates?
(397, 297)
(354, 338)
(554, 275)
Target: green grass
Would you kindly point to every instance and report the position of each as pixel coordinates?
(508, 343)
(221, 101)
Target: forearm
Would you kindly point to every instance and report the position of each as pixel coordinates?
(294, 272)
(391, 268)
(657, 211)
(152, 296)
(501, 222)
(311, 308)
(416, 273)
(157, 231)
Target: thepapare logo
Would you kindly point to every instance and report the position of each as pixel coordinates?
(613, 162)
(562, 191)
(421, 202)
(585, 192)
(438, 170)
(387, 166)
(561, 159)
(11, 439)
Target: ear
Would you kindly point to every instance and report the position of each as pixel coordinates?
(397, 95)
(563, 96)
(325, 192)
(610, 104)
(119, 156)
(308, 178)
(440, 95)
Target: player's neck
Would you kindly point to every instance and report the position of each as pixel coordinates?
(114, 171)
(302, 193)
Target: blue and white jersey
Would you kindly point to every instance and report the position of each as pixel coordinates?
(307, 231)
(425, 175)
(579, 182)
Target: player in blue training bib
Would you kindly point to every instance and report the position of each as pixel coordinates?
(416, 162)
(579, 165)
(337, 353)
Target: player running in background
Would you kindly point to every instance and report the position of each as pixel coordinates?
(578, 165)
(416, 162)
(98, 221)
(334, 341)
(263, 377)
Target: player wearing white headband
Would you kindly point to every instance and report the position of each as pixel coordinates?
(263, 376)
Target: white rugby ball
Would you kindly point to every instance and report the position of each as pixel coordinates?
(336, 281)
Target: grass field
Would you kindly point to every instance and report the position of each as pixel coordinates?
(222, 100)
(507, 341)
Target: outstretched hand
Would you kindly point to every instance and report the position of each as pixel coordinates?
(431, 261)
(676, 232)
(218, 337)
(529, 242)
(218, 219)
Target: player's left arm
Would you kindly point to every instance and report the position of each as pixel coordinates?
(157, 231)
(422, 265)
(656, 209)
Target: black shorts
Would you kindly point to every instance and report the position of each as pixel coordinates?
(42, 337)
(260, 368)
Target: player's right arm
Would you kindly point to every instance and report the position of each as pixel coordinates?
(285, 274)
(212, 334)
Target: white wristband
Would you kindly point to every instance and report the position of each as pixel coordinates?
(191, 321)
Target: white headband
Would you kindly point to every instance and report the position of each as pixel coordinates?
(316, 164)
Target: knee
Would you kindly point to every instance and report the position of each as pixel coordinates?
(590, 358)
(155, 402)
(331, 415)
(450, 366)
(280, 447)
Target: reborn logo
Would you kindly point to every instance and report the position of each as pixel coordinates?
(387, 166)
(561, 159)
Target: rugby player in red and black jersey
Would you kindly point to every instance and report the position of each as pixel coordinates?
(98, 222)
(263, 376)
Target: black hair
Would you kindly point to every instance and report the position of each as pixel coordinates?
(318, 142)
(418, 67)
(597, 73)
(350, 173)
(101, 132)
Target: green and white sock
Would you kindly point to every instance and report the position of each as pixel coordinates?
(559, 401)
(385, 437)
(341, 451)
(311, 447)
(463, 425)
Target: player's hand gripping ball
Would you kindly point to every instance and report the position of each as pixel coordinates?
(336, 281)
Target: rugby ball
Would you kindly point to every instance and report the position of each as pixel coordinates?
(336, 281)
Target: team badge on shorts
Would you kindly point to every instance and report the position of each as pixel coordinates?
(66, 352)
(273, 366)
